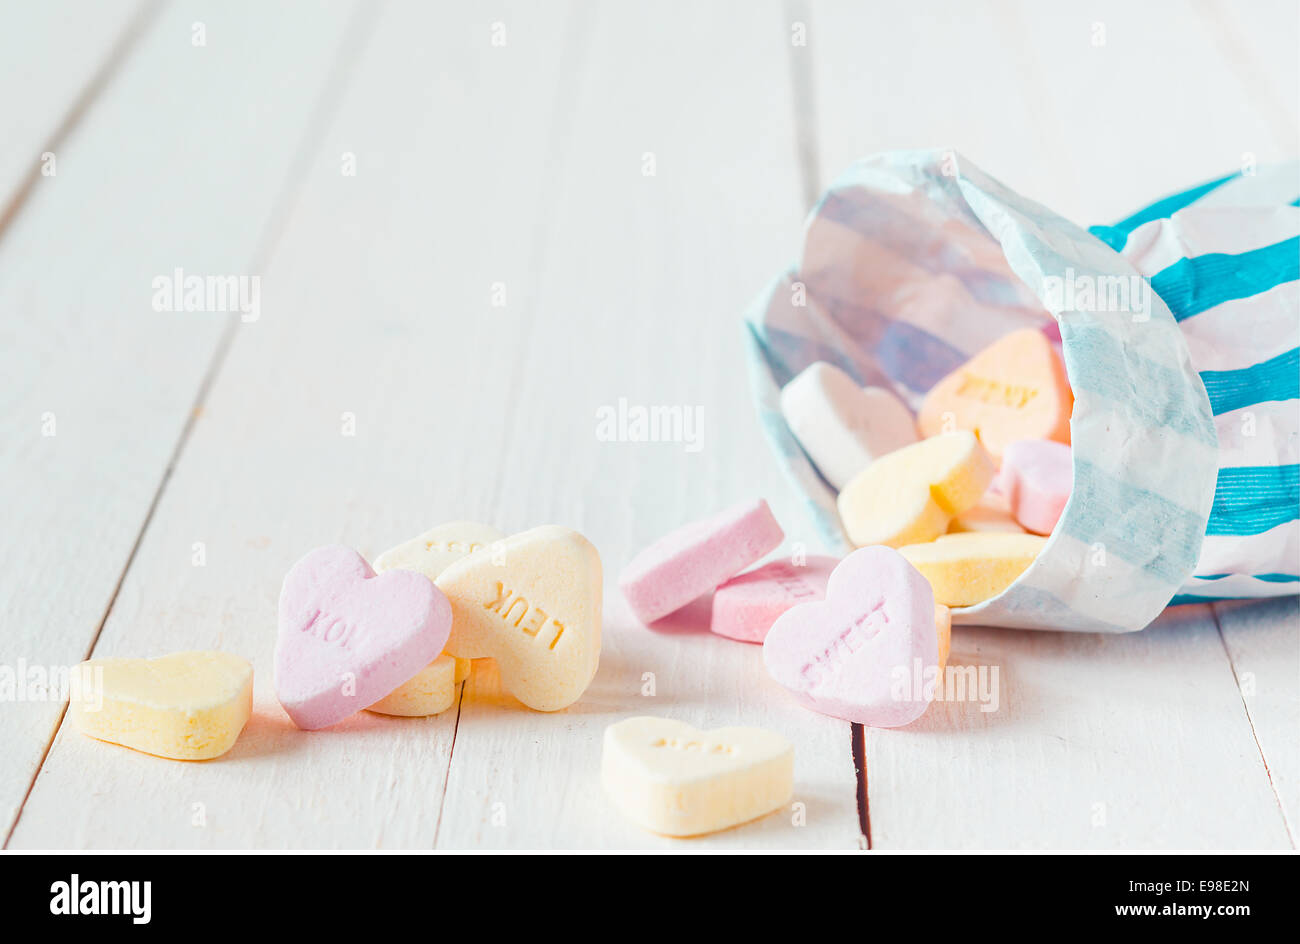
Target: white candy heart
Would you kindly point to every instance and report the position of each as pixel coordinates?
(429, 692)
(671, 778)
(843, 427)
(438, 548)
(532, 602)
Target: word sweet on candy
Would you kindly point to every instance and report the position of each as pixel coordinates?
(1037, 477)
(844, 656)
(965, 569)
(433, 689)
(185, 706)
(689, 562)
(1015, 388)
(745, 607)
(911, 495)
(843, 427)
(673, 779)
(348, 637)
(533, 603)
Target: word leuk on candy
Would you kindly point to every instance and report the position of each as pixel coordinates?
(533, 603)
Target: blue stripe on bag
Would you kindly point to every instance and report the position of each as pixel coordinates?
(1116, 236)
(1268, 578)
(1100, 363)
(1191, 286)
(1277, 378)
(1185, 598)
(1252, 499)
(1165, 537)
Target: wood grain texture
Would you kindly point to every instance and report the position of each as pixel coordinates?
(1095, 739)
(1098, 742)
(1263, 644)
(1093, 111)
(170, 168)
(55, 58)
(371, 308)
(653, 318)
(437, 334)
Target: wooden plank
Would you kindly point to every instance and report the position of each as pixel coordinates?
(55, 58)
(945, 73)
(377, 304)
(1097, 742)
(1259, 42)
(1263, 642)
(171, 168)
(1092, 131)
(1095, 739)
(645, 280)
(1161, 104)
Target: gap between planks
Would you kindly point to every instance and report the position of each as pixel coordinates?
(361, 25)
(808, 158)
(1250, 719)
(118, 53)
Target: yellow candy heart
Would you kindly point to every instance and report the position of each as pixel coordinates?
(968, 568)
(430, 553)
(671, 778)
(438, 548)
(432, 691)
(185, 706)
(533, 604)
(913, 493)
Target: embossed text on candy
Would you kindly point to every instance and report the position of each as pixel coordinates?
(531, 619)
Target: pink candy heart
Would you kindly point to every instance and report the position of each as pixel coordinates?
(868, 653)
(1036, 478)
(348, 638)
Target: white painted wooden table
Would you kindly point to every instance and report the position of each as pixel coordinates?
(499, 267)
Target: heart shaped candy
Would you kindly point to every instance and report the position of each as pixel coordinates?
(186, 706)
(1016, 388)
(971, 567)
(687, 563)
(911, 495)
(1037, 476)
(671, 778)
(745, 607)
(438, 548)
(532, 603)
(859, 654)
(431, 691)
(843, 427)
(430, 554)
(348, 637)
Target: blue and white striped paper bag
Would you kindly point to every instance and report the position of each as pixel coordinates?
(1180, 331)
